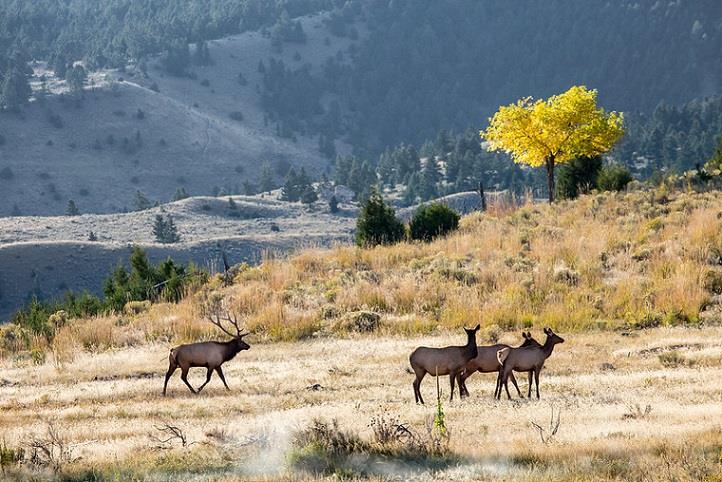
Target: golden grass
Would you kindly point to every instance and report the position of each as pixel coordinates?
(105, 405)
(637, 259)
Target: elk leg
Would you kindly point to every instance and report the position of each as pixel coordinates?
(505, 381)
(461, 381)
(463, 392)
(184, 377)
(513, 380)
(531, 374)
(452, 377)
(223, 379)
(208, 379)
(497, 388)
(171, 370)
(417, 386)
(536, 378)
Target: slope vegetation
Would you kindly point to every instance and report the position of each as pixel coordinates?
(204, 131)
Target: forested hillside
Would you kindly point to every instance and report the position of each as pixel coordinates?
(398, 81)
(429, 65)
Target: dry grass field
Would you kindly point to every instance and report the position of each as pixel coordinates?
(106, 406)
(632, 281)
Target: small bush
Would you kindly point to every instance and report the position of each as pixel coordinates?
(712, 281)
(563, 274)
(360, 322)
(136, 307)
(10, 456)
(433, 220)
(58, 319)
(614, 177)
(671, 359)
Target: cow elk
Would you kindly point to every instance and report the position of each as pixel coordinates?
(486, 361)
(450, 360)
(526, 359)
(210, 354)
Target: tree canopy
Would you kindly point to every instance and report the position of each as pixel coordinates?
(553, 131)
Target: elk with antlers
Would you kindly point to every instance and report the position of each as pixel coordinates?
(209, 354)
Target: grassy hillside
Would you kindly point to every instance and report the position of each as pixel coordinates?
(98, 150)
(331, 333)
(643, 258)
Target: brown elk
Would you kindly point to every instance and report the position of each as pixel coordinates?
(486, 361)
(450, 360)
(209, 354)
(526, 359)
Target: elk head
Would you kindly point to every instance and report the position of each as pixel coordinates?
(553, 337)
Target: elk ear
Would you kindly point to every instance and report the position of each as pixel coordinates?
(547, 330)
(477, 327)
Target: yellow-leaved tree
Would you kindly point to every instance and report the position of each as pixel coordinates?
(553, 131)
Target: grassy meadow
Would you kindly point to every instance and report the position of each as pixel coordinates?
(631, 280)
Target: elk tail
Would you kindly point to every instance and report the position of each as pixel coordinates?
(172, 355)
(501, 355)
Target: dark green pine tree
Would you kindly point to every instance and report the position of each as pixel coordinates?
(290, 191)
(430, 178)
(333, 205)
(72, 209)
(377, 223)
(165, 230)
(578, 176)
(267, 183)
(15, 90)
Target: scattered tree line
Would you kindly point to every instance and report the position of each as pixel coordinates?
(165, 281)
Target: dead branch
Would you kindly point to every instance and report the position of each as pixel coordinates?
(547, 434)
(51, 450)
(169, 434)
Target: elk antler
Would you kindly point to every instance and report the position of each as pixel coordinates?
(215, 309)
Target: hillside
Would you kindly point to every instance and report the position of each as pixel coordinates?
(121, 136)
(623, 277)
(46, 256)
(646, 257)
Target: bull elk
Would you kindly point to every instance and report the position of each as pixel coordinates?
(450, 360)
(526, 359)
(209, 354)
(486, 361)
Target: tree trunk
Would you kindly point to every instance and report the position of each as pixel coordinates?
(482, 195)
(550, 177)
